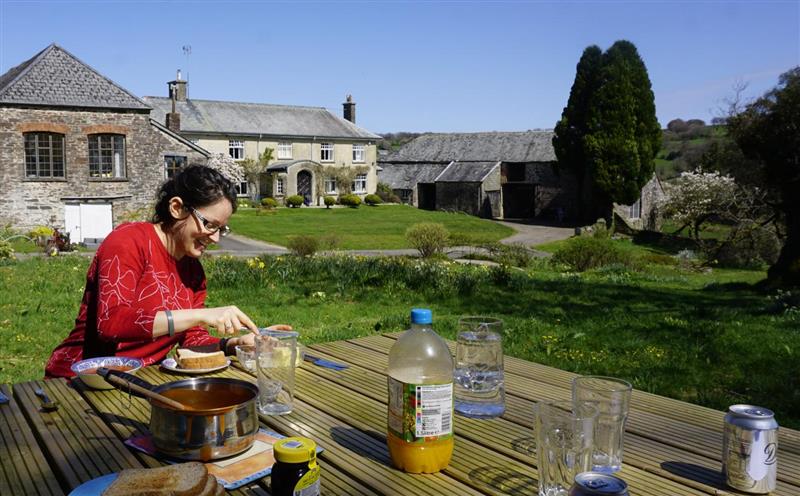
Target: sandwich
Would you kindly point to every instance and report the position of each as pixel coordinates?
(188, 359)
(184, 479)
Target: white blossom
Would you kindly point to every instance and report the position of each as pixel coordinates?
(227, 166)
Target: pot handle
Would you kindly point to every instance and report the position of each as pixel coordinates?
(122, 380)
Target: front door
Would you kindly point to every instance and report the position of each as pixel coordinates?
(87, 221)
(304, 186)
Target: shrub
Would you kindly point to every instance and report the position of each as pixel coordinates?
(373, 200)
(748, 248)
(585, 252)
(6, 251)
(351, 200)
(269, 202)
(329, 201)
(386, 193)
(329, 241)
(244, 203)
(294, 200)
(303, 245)
(428, 238)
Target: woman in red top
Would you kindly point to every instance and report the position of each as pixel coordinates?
(146, 274)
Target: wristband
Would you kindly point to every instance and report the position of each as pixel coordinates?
(170, 323)
(223, 345)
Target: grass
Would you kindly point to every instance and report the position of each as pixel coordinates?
(381, 227)
(707, 338)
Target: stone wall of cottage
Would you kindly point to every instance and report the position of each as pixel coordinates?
(650, 218)
(25, 203)
(556, 194)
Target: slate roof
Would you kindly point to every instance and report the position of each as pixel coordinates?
(239, 118)
(466, 172)
(526, 146)
(54, 77)
(406, 176)
(164, 129)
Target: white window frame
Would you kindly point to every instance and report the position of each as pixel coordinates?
(330, 185)
(326, 152)
(284, 150)
(360, 183)
(635, 210)
(236, 149)
(358, 153)
(279, 186)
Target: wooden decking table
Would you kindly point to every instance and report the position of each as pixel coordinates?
(671, 447)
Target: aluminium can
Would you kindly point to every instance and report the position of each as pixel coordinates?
(750, 449)
(598, 484)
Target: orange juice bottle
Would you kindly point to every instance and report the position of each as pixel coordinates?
(420, 420)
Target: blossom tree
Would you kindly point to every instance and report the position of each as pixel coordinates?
(696, 196)
(226, 166)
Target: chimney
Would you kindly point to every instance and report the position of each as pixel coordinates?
(350, 109)
(176, 88)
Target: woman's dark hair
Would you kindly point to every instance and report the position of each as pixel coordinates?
(198, 186)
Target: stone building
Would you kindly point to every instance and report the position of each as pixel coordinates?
(314, 153)
(77, 151)
(502, 175)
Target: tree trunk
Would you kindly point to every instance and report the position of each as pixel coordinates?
(786, 271)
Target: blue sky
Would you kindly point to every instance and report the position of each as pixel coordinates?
(416, 66)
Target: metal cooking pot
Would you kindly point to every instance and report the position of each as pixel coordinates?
(221, 419)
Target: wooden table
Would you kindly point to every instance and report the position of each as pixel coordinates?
(671, 448)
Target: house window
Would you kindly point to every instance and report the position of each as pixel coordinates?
(241, 188)
(326, 152)
(330, 185)
(107, 156)
(635, 210)
(44, 155)
(279, 186)
(358, 153)
(360, 184)
(236, 149)
(172, 164)
(284, 150)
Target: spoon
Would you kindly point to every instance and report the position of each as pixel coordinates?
(48, 405)
(124, 384)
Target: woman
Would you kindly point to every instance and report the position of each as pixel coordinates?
(145, 288)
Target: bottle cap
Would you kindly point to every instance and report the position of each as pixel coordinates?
(295, 450)
(421, 316)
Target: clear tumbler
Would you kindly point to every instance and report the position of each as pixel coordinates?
(564, 442)
(479, 388)
(276, 352)
(612, 398)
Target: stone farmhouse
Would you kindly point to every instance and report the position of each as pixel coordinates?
(315, 153)
(501, 175)
(78, 151)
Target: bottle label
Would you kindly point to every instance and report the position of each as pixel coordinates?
(420, 413)
(308, 485)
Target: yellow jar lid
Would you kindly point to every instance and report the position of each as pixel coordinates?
(295, 450)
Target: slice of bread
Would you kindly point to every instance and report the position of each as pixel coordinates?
(188, 359)
(183, 479)
(210, 489)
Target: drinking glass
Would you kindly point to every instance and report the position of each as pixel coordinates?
(246, 354)
(612, 398)
(478, 376)
(276, 352)
(564, 434)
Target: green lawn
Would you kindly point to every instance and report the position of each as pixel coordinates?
(708, 338)
(381, 227)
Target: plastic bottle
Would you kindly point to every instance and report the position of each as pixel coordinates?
(420, 419)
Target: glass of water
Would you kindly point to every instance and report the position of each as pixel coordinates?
(564, 443)
(276, 352)
(479, 390)
(612, 398)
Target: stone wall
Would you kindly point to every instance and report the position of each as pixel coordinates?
(649, 218)
(556, 194)
(26, 202)
(458, 197)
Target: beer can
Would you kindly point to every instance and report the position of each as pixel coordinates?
(750, 449)
(598, 484)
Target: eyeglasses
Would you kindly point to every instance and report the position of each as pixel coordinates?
(210, 225)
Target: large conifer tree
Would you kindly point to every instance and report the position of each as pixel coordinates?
(571, 129)
(620, 134)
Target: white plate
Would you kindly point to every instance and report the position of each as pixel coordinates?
(171, 365)
(94, 487)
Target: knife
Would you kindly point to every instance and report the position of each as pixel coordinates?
(324, 363)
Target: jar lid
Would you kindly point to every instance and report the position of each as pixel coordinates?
(295, 450)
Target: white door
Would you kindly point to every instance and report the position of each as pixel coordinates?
(92, 221)
(72, 222)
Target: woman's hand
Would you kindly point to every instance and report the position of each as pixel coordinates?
(228, 320)
(250, 338)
